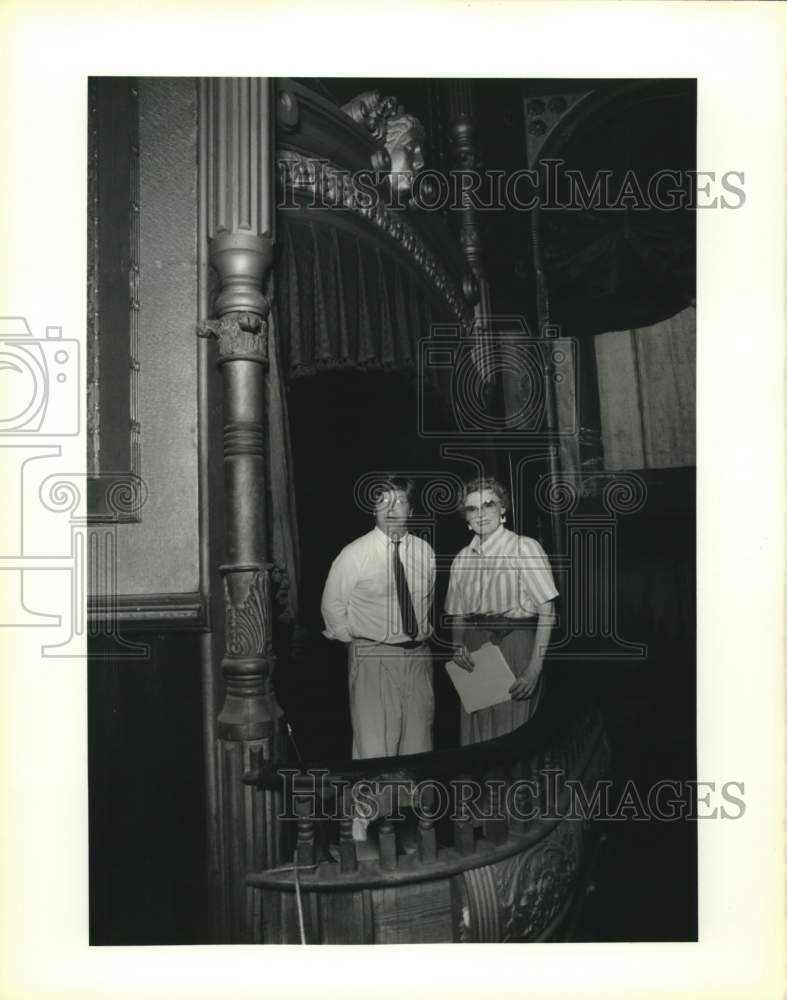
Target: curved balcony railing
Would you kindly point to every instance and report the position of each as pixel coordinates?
(494, 842)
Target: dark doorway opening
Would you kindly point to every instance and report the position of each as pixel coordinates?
(345, 425)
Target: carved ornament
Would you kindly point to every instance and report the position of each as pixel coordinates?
(402, 135)
(247, 609)
(373, 112)
(239, 335)
(534, 887)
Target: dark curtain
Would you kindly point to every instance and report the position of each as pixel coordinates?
(345, 303)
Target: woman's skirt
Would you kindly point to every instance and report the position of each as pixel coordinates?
(516, 638)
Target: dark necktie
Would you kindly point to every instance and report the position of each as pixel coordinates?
(409, 621)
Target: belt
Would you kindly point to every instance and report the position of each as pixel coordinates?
(500, 621)
(398, 645)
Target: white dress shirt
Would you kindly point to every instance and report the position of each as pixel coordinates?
(360, 600)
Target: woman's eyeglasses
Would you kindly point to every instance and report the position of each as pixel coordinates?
(485, 506)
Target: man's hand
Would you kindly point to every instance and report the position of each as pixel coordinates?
(524, 687)
(461, 658)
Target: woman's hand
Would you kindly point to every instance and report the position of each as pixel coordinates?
(524, 687)
(461, 658)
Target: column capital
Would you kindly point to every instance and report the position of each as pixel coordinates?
(240, 335)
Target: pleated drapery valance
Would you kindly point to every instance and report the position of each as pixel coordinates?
(344, 302)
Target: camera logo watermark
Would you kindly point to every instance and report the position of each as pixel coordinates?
(471, 362)
(40, 405)
(40, 379)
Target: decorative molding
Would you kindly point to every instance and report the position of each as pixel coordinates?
(313, 126)
(152, 612)
(321, 184)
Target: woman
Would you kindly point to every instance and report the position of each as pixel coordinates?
(500, 590)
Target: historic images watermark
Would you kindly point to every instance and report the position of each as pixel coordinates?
(547, 795)
(551, 186)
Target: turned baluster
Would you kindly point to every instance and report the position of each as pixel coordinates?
(552, 782)
(348, 860)
(496, 826)
(538, 786)
(387, 845)
(427, 837)
(305, 849)
(464, 839)
(522, 805)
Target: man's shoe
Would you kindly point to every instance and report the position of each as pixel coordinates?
(365, 850)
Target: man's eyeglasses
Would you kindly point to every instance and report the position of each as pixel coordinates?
(487, 505)
(386, 500)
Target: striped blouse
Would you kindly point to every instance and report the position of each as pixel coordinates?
(505, 574)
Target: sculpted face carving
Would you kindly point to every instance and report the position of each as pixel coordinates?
(404, 142)
(401, 134)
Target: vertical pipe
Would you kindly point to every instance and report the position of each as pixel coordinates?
(207, 658)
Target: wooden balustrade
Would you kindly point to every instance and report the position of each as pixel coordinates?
(456, 885)
(515, 838)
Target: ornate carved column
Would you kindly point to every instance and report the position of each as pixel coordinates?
(236, 151)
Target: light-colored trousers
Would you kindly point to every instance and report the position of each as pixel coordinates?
(391, 699)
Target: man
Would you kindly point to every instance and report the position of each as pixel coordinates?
(377, 600)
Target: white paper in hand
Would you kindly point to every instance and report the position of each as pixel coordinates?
(487, 684)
